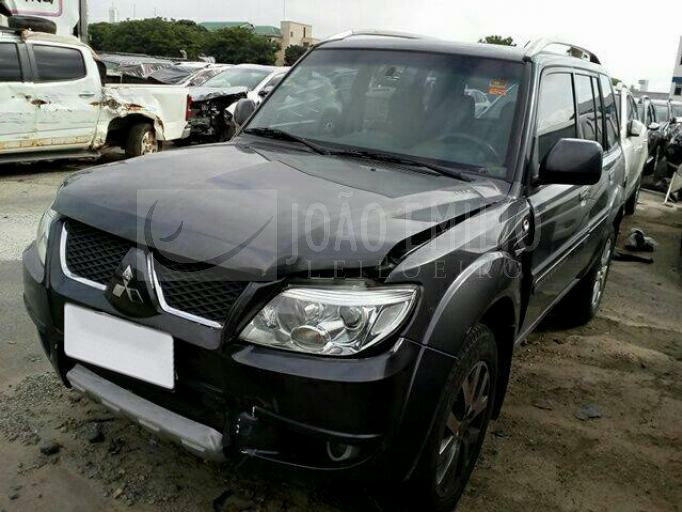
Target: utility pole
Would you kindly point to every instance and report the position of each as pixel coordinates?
(285, 9)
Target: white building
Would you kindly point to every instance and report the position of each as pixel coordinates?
(676, 89)
(113, 14)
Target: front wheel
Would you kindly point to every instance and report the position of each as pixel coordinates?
(462, 419)
(141, 140)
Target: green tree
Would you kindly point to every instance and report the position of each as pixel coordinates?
(505, 41)
(293, 53)
(239, 45)
(154, 36)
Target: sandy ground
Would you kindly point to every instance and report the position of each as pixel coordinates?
(539, 456)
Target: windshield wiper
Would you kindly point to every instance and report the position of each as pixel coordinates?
(400, 160)
(276, 133)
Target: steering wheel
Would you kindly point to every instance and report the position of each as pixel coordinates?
(482, 145)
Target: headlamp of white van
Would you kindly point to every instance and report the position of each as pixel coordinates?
(332, 320)
(43, 233)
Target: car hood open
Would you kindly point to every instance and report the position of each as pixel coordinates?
(265, 210)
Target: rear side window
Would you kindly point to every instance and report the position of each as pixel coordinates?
(10, 69)
(610, 113)
(556, 112)
(55, 63)
(600, 104)
(632, 109)
(587, 108)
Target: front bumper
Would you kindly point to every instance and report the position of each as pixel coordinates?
(341, 416)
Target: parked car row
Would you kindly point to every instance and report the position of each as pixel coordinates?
(341, 288)
(62, 101)
(55, 103)
(662, 118)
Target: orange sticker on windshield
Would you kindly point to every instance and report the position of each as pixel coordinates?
(498, 88)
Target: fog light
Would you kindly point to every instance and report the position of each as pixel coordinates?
(340, 452)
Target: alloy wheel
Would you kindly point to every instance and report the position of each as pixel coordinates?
(600, 278)
(459, 446)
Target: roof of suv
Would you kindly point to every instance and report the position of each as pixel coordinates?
(432, 45)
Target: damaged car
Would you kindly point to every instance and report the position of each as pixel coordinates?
(55, 103)
(214, 100)
(341, 300)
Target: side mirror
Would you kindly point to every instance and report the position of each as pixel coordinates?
(243, 110)
(572, 162)
(654, 126)
(265, 91)
(635, 128)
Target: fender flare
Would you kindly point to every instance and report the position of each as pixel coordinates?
(489, 278)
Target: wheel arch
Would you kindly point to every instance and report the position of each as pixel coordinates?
(502, 319)
(119, 127)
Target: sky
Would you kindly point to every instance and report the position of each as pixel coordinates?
(631, 42)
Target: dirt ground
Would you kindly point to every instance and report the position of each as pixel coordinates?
(543, 454)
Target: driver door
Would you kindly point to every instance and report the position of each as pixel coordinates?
(560, 212)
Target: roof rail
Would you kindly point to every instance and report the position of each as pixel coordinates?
(539, 45)
(378, 33)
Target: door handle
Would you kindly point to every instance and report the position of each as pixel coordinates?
(583, 195)
(87, 94)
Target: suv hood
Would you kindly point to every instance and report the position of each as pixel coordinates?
(264, 209)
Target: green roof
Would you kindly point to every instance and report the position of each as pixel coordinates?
(217, 25)
(261, 30)
(267, 30)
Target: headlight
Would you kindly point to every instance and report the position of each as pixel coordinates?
(331, 320)
(44, 232)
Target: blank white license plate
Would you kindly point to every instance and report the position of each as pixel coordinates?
(119, 346)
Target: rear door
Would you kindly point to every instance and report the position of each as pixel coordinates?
(607, 195)
(67, 91)
(17, 111)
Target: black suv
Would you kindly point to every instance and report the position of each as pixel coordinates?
(341, 287)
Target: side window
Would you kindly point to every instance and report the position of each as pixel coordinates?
(587, 109)
(556, 112)
(55, 63)
(600, 117)
(632, 109)
(10, 69)
(610, 114)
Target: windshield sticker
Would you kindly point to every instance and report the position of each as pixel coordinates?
(498, 88)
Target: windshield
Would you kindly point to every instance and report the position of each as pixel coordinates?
(200, 77)
(238, 77)
(661, 113)
(449, 109)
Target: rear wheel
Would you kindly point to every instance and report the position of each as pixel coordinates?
(141, 140)
(462, 420)
(582, 303)
(631, 203)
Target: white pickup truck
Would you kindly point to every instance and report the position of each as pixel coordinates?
(53, 103)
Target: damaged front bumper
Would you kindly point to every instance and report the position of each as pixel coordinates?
(339, 416)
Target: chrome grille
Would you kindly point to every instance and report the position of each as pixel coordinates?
(192, 290)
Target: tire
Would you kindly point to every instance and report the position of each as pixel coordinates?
(448, 461)
(582, 303)
(631, 203)
(141, 140)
